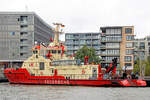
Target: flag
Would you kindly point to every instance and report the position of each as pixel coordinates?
(62, 25)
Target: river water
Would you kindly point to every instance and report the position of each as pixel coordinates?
(47, 92)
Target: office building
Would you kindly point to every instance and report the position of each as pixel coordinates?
(19, 31)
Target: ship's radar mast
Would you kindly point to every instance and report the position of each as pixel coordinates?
(58, 30)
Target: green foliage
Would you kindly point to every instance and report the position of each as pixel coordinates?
(147, 66)
(147, 69)
(90, 52)
(136, 66)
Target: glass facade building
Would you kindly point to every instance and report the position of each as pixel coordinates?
(142, 48)
(75, 41)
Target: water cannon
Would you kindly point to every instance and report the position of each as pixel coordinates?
(114, 61)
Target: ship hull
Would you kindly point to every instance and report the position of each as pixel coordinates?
(21, 76)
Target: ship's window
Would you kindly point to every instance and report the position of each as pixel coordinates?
(52, 70)
(42, 66)
(36, 56)
(53, 51)
(59, 51)
(50, 64)
(35, 51)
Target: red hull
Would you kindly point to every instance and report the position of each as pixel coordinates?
(21, 76)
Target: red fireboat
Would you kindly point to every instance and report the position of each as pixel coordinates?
(55, 68)
(22, 76)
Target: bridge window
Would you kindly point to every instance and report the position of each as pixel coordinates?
(59, 51)
(42, 66)
(53, 51)
(35, 52)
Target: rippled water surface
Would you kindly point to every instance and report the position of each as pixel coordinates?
(47, 92)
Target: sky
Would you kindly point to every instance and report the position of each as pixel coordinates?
(87, 15)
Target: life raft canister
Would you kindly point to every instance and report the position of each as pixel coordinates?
(41, 73)
(83, 71)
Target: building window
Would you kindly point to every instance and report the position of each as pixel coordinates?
(69, 41)
(23, 40)
(128, 58)
(82, 36)
(82, 42)
(142, 45)
(129, 51)
(112, 45)
(23, 33)
(113, 31)
(21, 54)
(12, 33)
(76, 36)
(148, 43)
(69, 36)
(129, 44)
(24, 19)
(128, 64)
(128, 30)
(129, 37)
(41, 65)
(24, 26)
(21, 47)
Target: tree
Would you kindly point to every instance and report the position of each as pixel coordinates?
(90, 52)
(136, 66)
(147, 69)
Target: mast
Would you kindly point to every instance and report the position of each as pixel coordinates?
(57, 32)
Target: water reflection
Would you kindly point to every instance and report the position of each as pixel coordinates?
(47, 92)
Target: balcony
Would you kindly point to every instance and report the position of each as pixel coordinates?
(111, 40)
(109, 47)
(103, 47)
(24, 29)
(95, 37)
(23, 22)
(76, 42)
(70, 48)
(76, 48)
(96, 47)
(24, 50)
(25, 43)
(103, 34)
(105, 54)
(24, 36)
(89, 42)
(69, 43)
